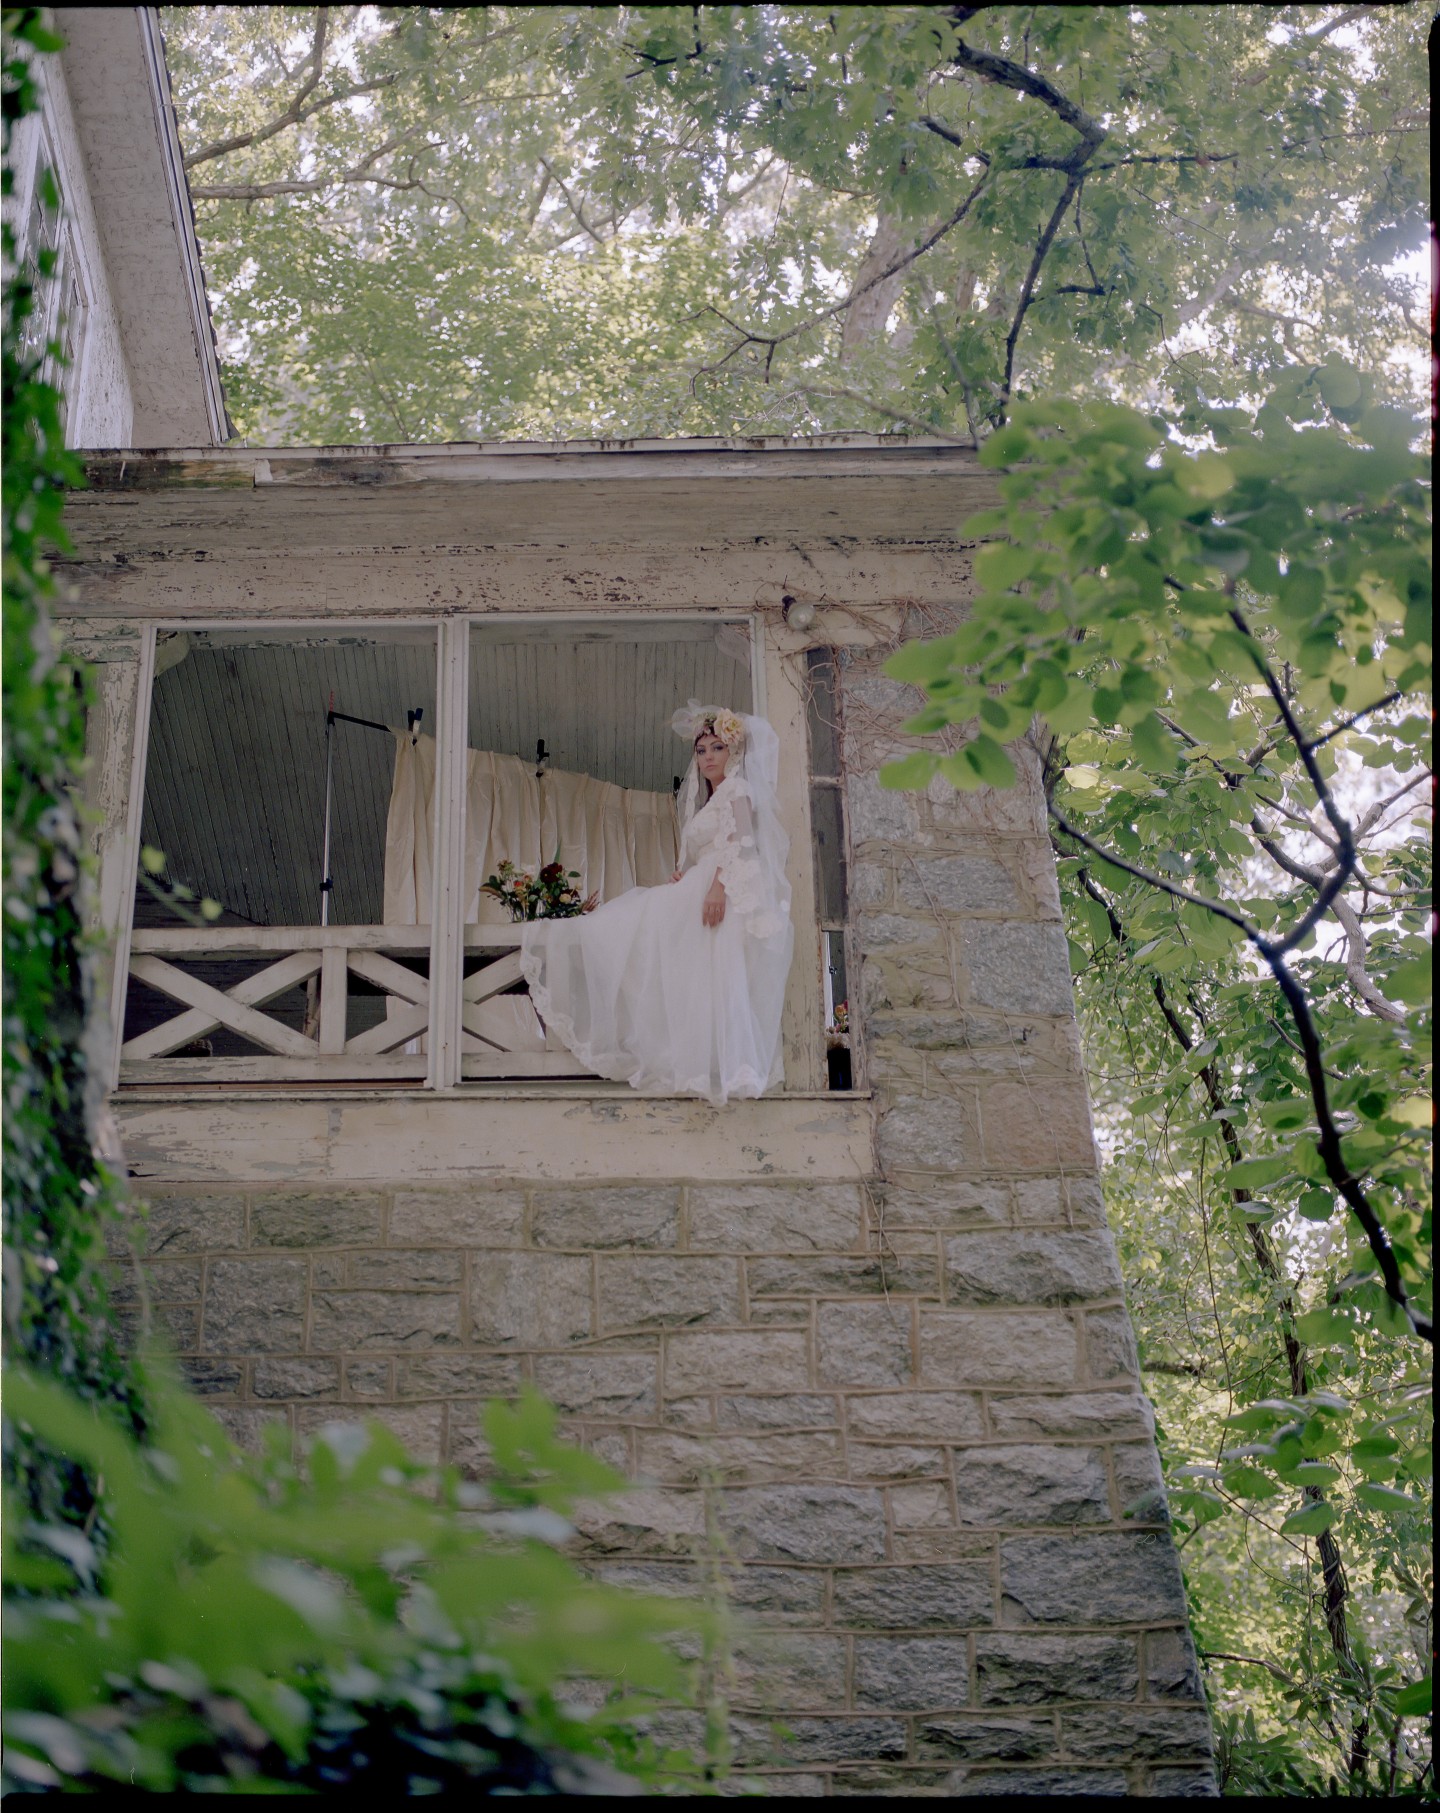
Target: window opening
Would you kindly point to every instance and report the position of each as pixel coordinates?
(827, 818)
(321, 911)
(571, 759)
(253, 958)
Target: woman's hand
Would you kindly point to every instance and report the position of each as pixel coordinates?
(714, 909)
(676, 876)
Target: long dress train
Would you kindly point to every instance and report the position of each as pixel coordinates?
(644, 992)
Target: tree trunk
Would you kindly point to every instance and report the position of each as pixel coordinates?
(866, 316)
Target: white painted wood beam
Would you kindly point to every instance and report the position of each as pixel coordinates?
(120, 854)
(447, 890)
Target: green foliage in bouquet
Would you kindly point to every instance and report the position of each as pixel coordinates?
(549, 895)
(365, 1621)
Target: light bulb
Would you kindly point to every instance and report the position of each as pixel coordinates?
(799, 613)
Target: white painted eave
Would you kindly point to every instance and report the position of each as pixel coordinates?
(831, 488)
(114, 69)
(403, 462)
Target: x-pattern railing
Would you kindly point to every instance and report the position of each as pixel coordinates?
(322, 959)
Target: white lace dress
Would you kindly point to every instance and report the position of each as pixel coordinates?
(643, 991)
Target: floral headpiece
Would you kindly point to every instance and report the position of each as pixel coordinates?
(695, 719)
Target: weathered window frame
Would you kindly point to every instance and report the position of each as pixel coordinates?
(122, 761)
(831, 842)
(62, 301)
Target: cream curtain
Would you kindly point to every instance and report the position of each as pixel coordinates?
(617, 838)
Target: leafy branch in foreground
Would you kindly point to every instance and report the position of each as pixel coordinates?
(58, 1193)
(1208, 611)
(1230, 649)
(365, 1622)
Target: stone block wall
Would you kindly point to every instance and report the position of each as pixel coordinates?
(912, 1397)
(914, 1405)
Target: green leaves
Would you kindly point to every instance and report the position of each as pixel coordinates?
(1255, 1173)
(921, 663)
(778, 147)
(1001, 565)
(1155, 746)
(1314, 1520)
(1410, 981)
(1205, 478)
(1416, 1700)
(1388, 1501)
(1374, 1451)
(374, 1602)
(911, 771)
(1340, 385)
(1245, 1268)
(982, 762)
(59, 1201)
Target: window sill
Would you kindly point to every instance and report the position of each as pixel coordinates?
(397, 1137)
(414, 1089)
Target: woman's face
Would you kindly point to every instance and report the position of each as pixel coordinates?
(710, 757)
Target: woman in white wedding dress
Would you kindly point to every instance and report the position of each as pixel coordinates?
(678, 990)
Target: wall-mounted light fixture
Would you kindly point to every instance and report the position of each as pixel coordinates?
(799, 613)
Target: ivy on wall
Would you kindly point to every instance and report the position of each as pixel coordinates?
(58, 1196)
(218, 1621)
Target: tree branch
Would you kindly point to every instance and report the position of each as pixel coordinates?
(1220, 1655)
(1091, 133)
(570, 202)
(1027, 289)
(287, 119)
(1355, 973)
(883, 409)
(1006, 74)
(1349, 919)
(729, 199)
(1264, 1248)
(363, 172)
(1391, 698)
(1148, 876)
(1025, 81)
(294, 111)
(301, 108)
(1329, 1143)
(948, 133)
(1345, 852)
(1286, 148)
(1331, 1151)
(1219, 285)
(773, 341)
(1270, 314)
(1348, 17)
(541, 192)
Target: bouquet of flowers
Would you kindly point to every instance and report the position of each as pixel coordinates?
(549, 895)
(841, 1018)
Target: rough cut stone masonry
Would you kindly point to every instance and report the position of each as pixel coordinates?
(913, 1396)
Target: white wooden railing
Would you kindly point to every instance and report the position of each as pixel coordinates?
(321, 959)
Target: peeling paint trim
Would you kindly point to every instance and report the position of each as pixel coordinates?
(183, 208)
